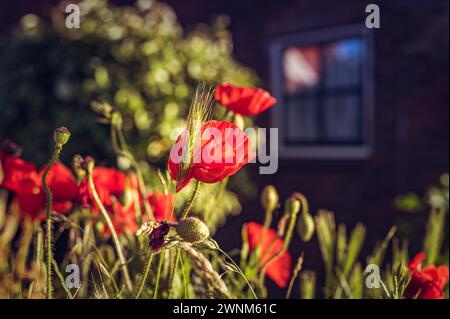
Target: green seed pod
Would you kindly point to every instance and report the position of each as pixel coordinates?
(192, 230)
(78, 166)
(292, 206)
(269, 198)
(90, 163)
(116, 120)
(61, 135)
(305, 226)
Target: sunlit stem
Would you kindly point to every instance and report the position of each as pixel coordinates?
(287, 240)
(114, 235)
(148, 263)
(38, 256)
(190, 203)
(158, 275)
(48, 221)
(238, 270)
(186, 211)
(121, 148)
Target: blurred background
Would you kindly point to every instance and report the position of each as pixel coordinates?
(362, 113)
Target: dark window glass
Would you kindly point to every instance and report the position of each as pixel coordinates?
(322, 92)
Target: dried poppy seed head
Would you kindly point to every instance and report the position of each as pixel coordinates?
(61, 135)
(192, 230)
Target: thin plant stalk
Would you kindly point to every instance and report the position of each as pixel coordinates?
(186, 211)
(148, 263)
(190, 203)
(48, 221)
(184, 278)
(114, 235)
(238, 269)
(297, 269)
(38, 256)
(60, 276)
(158, 275)
(287, 240)
(121, 148)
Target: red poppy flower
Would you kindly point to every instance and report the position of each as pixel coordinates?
(123, 218)
(279, 269)
(22, 178)
(162, 206)
(426, 283)
(108, 182)
(244, 100)
(110, 185)
(15, 172)
(220, 152)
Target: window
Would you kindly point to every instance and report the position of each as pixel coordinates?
(322, 81)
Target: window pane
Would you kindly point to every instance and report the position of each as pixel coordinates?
(322, 91)
(302, 69)
(342, 63)
(343, 119)
(301, 118)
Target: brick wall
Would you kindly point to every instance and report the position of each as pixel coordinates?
(411, 104)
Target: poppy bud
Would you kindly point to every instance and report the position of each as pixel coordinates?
(90, 163)
(292, 206)
(192, 230)
(239, 121)
(61, 135)
(269, 198)
(305, 226)
(116, 119)
(78, 166)
(11, 148)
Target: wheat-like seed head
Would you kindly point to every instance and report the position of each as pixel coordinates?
(199, 112)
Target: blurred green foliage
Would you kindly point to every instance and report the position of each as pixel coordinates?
(137, 58)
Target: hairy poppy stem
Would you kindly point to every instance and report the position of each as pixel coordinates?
(48, 221)
(114, 235)
(148, 262)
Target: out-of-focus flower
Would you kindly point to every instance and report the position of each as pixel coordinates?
(220, 152)
(16, 171)
(110, 185)
(244, 100)
(108, 182)
(280, 268)
(427, 282)
(25, 181)
(162, 205)
(123, 218)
